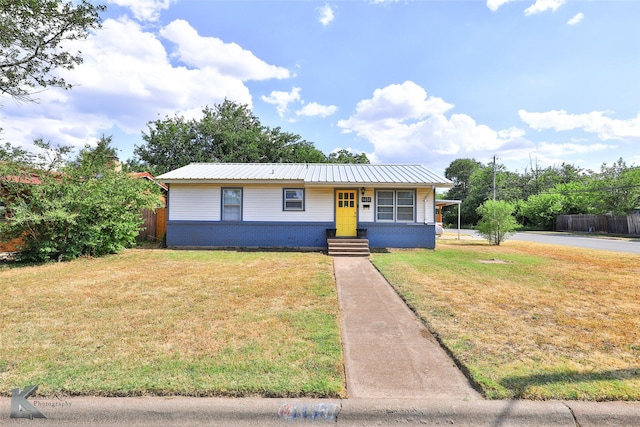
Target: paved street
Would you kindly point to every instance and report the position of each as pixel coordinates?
(628, 245)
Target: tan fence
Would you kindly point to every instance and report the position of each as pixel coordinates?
(155, 224)
(629, 224)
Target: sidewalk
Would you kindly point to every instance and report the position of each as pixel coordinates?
(388, 352)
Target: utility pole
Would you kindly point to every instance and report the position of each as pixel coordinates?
(494, 177)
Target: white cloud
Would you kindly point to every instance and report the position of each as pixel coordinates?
(401, 121)
(326, 14)
(313, 109)
(595, 122)
(399, 102)
(538, 7)
(563, 150)
(543, 5)
(282, 99)
(550, 154)
(210, 52)
(576, 19)
(493, 5)
(144, 10)
(127, 80)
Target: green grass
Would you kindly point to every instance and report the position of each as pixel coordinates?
(526, 320)
(161, 322)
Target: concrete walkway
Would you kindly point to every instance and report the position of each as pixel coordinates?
(388, 352)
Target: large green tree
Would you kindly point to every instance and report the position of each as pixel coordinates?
(33, 34)
(86, 208)
(459, 171)
(228, 132)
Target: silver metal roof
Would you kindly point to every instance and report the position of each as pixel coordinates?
(308, 173)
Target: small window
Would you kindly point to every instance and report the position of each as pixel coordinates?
(232, 204)
(293, 199)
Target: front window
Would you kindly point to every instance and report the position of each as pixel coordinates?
(395, 206)
(293, 199)
(232, 204)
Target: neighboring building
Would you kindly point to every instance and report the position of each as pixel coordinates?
(286, 205)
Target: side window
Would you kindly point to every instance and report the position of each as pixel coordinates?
(293, 199)
(232, 204)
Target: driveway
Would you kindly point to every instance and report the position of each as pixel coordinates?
(631, 246)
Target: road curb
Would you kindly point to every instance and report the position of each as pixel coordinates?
(457, 413)
(179, 411)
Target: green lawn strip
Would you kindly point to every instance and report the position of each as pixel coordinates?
(196, 323)
(501, 314)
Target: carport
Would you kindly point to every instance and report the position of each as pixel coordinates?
(441, 204)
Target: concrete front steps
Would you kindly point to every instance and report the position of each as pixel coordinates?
(348, 247)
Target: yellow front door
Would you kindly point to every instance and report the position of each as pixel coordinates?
(346, 213)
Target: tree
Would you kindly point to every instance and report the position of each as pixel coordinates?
(86, 209)
(480, 189)
(541, 209)
(459, 171)
(33, 34)
(94, 160)
(618, 188)
(496, 221)
(10, 153)
(345, 156)
(228, 133)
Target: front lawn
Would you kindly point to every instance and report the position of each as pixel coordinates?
(163, 322)
(529, 320)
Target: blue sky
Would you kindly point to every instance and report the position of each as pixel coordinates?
(415, 81)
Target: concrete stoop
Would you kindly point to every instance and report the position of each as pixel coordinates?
(348, 247)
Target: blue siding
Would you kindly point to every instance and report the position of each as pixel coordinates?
(247, 234)
(292, 234)
(397, 235)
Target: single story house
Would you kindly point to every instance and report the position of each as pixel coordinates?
(280, 205)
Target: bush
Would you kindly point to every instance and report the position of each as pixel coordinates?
(88, 209)
(496, 222)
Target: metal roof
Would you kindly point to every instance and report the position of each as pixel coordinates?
(308, 173)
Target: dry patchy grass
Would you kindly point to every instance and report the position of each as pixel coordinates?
(529, 320)
(165, 322)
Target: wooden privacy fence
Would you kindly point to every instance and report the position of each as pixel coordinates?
(155, 224)
(629, 224)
